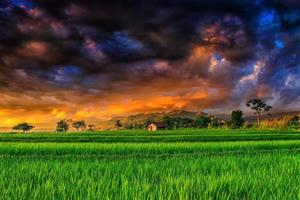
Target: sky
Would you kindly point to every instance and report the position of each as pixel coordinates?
(96, 59)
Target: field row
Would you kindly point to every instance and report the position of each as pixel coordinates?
(110, 150)
(157, 137)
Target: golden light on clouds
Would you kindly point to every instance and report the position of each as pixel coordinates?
(65, 67)
(59, 114)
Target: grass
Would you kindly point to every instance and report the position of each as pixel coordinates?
(107, 150)
(193, 135)
(160, 165)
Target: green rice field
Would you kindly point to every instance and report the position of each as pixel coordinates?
(179, 164)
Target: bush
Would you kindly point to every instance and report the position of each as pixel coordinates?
(249, 125)
(294, 122)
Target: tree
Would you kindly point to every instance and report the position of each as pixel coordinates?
(176, 122)
(118, 124)
(237, 120)
(23, 127)
(294, 122)
(202, 122)
(258, 106)
(91, 127)
(186, 123)
(167, 120)
(215, 123)
(62, 126)
(79, 125)
(129, 126)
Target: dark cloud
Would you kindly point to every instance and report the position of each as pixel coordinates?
(115, 51)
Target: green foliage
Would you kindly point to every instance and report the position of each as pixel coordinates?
(202, 122)
(79, 125)
(62, 126)
(177, 122)
(237, 120)
(216, 123)
(24, 127)
(135, 126)
(294, 122)
(168, 122)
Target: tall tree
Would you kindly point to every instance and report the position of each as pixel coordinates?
(237, 120)
(258, 106)
(62, 126)
(79, 125)
(24, 127)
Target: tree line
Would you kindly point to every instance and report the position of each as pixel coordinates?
(61, 126)
(236, 121)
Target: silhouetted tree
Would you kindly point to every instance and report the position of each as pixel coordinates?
(62, 126)
(237, 120)
(24, 127)
(79, 125)
(259, 107)
(118, 124)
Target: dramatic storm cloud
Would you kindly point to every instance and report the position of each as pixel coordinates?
(93, 59)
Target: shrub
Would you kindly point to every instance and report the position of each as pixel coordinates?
(294, 122)
(248, 125)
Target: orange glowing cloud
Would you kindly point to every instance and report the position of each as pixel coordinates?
(34, 49)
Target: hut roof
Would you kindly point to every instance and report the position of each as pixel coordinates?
(159, 124)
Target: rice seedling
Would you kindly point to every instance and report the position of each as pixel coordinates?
(241, 164)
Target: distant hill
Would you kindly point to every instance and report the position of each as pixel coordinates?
(141, 118)
(144, 117)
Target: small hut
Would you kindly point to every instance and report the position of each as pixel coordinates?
(156, 126)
